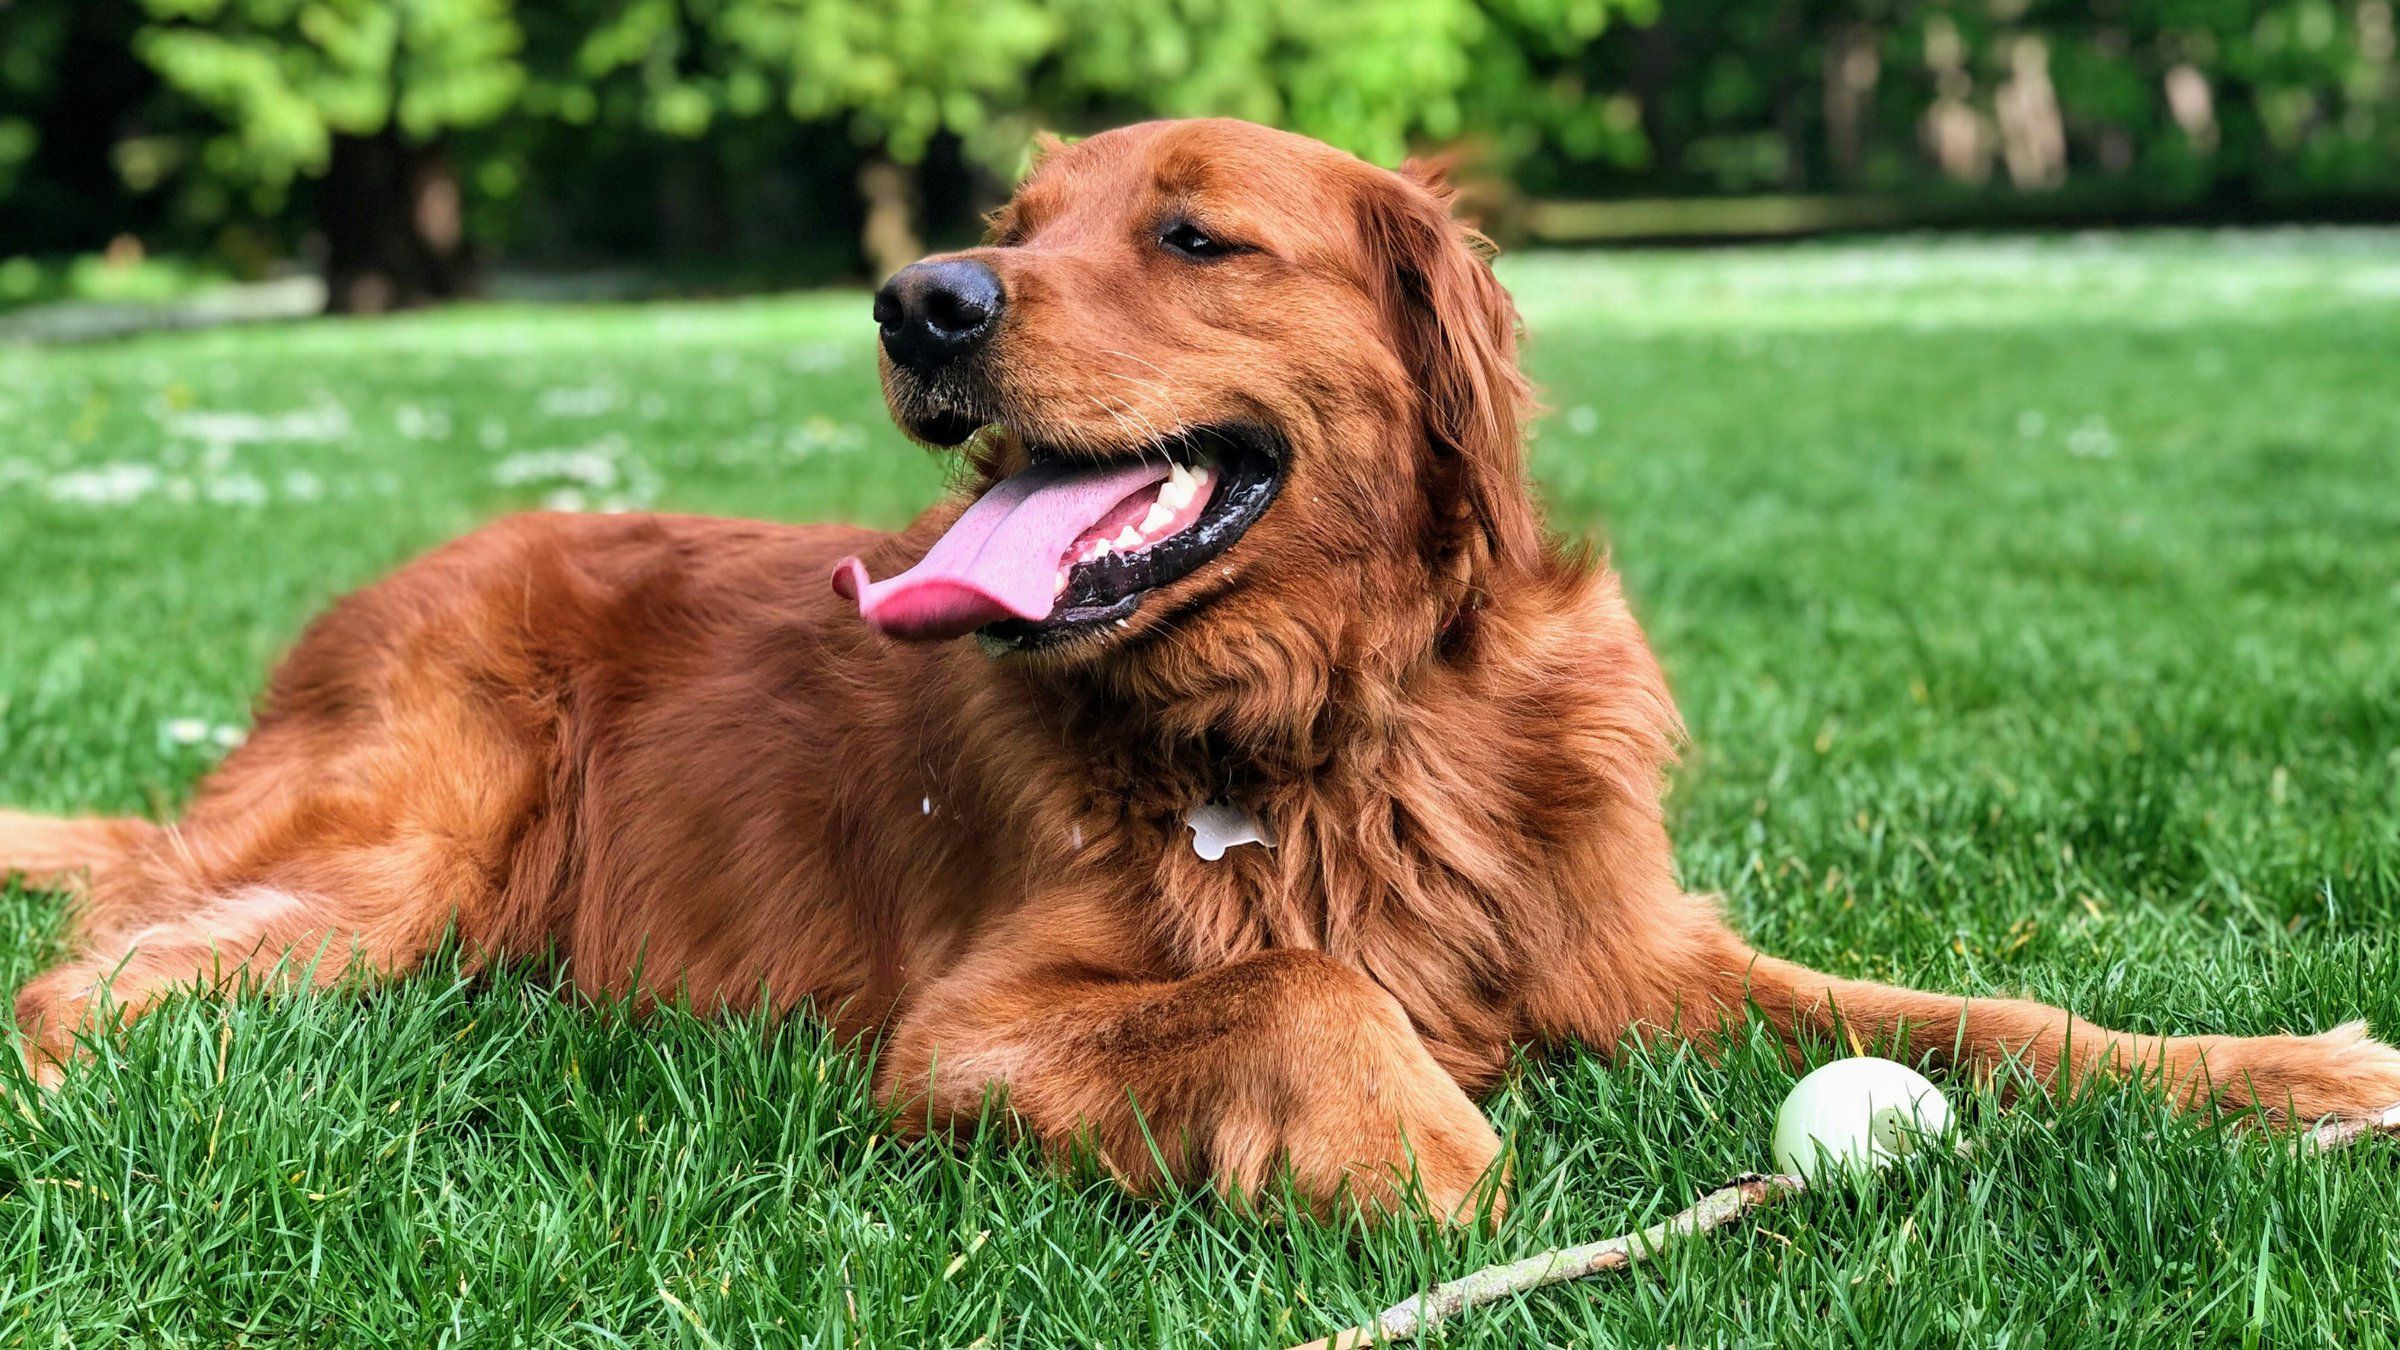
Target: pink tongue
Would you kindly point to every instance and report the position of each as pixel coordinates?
(1000, 561)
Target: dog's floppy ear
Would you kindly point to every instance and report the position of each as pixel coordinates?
(1458, 332)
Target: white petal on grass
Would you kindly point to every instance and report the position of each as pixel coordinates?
(324, 422)
(2092, 440)
(117, 484)
(196, 731)
(422, 424)
(601, 476)
(592, 467)
(591, 402)
(235, 489)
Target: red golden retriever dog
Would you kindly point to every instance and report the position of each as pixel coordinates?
(1247, 550)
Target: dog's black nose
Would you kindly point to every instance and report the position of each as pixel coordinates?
(935, 312)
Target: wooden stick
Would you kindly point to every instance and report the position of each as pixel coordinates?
(1402, 1321)
(1406, 1320)
(2335, 1134)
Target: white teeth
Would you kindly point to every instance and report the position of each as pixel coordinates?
(1177, 493)
(1184, 484)
(1061, 588)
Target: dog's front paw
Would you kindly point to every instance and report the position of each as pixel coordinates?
(1437, 1155)
(2295, 1080)
(1381, 1139)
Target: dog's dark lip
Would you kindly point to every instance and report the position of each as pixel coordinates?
(945, 428)
(1250, 467)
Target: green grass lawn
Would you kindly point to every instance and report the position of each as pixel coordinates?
(2032, 604)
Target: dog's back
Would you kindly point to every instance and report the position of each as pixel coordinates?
(611, 734)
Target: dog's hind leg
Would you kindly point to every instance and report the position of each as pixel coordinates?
(256, 934)
(54, 853)
(399, 778)
(307, 907)
(2296, 1080)
(317, 850)
(1686, 973)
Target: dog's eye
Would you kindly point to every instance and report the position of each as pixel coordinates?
(1193, 242)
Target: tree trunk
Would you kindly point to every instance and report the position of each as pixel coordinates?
(395, 226)
(1657, 65)
(1853, 64)
(889, 236)
(1789, 98)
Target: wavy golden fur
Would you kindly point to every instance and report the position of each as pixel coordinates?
(661, 745)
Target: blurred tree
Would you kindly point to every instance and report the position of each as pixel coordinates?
(905, 78)
(2226, 107)
(896, 76)
(403, 133)
(71, 93)
(1378, 77)
(364, 93)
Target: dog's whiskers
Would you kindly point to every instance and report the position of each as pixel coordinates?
(1111, 351)
(1160, 391)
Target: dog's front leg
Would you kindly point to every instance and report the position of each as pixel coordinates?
(1282, 1060)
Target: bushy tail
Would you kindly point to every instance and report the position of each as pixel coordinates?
(50, 852)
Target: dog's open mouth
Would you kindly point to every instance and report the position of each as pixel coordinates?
(1070, 543)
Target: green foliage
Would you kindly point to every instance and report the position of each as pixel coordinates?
(2159, 100)
(75, 107)
(2030, 603)
(290, 75)
(693, 128)
(30, 37)
(1376, 77)
(897, 74)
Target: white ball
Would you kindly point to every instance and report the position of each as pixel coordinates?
(1855, 1115)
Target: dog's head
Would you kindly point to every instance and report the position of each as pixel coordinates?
(1218, 386)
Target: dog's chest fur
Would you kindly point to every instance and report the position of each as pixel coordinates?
(1423, 829)
(1429, 863)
